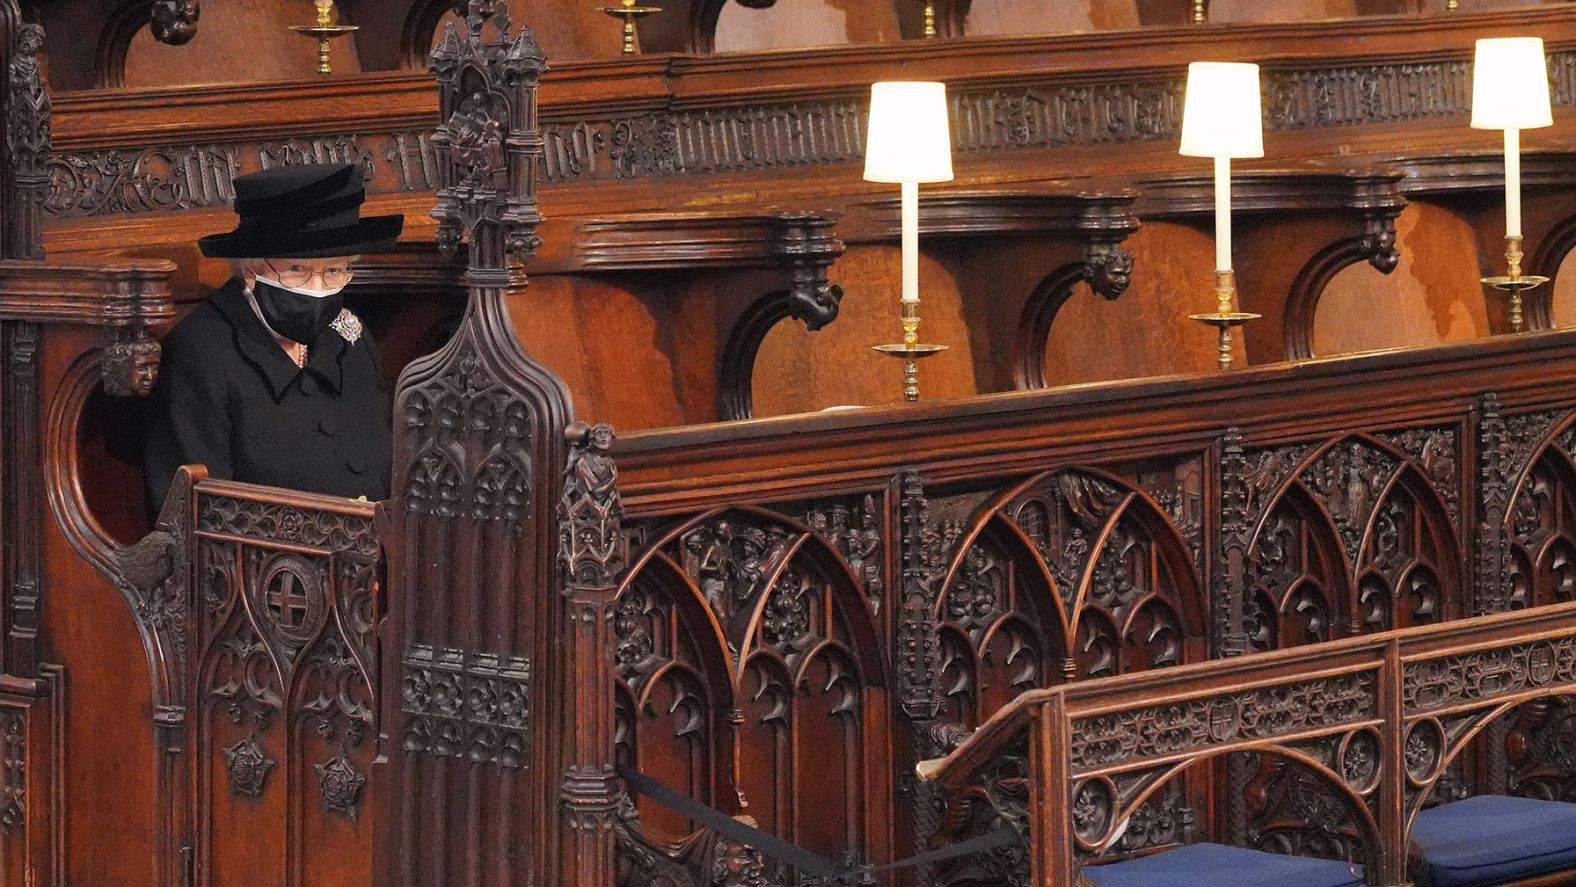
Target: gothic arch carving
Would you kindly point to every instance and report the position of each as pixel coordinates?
(421, 28)
(1543, 528)
(1547, 261)
(1302, 300)
(703, 21)
(1344, 533)
(1091, 564)
(1034, 329)
(121, 26)
(1450, 738)
(737, 398)
(1107, 810)
(764, 617)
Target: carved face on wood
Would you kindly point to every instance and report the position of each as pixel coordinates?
(174, 21)
(131, 369)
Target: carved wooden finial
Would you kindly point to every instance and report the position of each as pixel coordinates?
(489, 144)
(28, 140)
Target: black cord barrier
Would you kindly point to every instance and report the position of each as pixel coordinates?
(806, 861)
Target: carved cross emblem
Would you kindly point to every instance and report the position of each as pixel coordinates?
(288, 600)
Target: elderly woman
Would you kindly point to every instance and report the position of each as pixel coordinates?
(273, 381)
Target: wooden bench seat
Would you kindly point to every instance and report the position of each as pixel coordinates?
(1216, 865)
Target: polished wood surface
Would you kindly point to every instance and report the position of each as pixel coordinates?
(775, 608)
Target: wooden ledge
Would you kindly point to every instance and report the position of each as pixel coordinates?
(1064, 210)
(1371, 191)
(110, 294)
(665, 241)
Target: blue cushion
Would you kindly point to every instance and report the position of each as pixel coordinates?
(1489, 839)
(1214, 865)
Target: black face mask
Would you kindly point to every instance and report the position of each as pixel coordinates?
(297, 317)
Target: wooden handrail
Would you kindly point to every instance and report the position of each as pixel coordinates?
(1391, 688)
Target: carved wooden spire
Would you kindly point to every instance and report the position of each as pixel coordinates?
(28, 142)
(476, 592)
(490, 143)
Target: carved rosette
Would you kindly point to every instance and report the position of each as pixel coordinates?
(248, 765)
(340, 786)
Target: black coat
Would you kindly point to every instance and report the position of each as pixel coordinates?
(231, 399)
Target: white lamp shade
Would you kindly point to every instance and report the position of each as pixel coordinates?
(1221, 114)
(1510, 84)
(908, 137)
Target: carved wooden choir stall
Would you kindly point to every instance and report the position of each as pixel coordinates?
(1091, 606)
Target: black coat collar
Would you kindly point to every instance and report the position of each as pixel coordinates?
(257, 346)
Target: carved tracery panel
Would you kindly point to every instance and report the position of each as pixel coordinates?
(1069, 574)
(1543, 529)
(748, 660)
(284, 729)
(1351, 536)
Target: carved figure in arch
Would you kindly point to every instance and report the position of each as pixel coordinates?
(476, 142)
(728, 562)
(856, 534)
(28, 127)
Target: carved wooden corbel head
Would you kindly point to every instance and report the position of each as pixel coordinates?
(174, 21)
(1378, 242)
(1109, 268)
(812, 299)
(130, 366)
(807, 239)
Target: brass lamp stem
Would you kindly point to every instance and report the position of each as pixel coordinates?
(1514, 283)
(629, 12)
(911, 351)
(1224, 318)
(1200, 11)
(930, 18)
(323, 30)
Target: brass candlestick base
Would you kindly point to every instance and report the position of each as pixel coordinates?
(324, 30)
(629, 12)
(1224, 318)
(911, 351)
(1515, 283)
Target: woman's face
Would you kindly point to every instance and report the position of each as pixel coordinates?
(322, 274)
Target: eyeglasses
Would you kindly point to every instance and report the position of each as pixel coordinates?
(297, 274)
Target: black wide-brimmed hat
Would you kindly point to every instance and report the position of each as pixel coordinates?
(302, 212)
